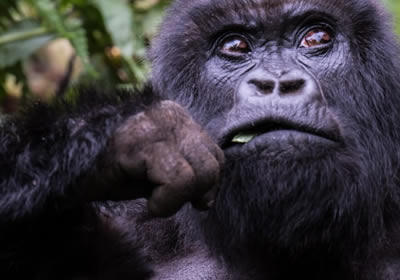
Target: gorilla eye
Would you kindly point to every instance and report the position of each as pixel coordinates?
(234, 45)
(315, 38)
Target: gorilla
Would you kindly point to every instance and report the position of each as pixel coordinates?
(265, 146)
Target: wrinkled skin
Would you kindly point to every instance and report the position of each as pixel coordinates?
(302, 96)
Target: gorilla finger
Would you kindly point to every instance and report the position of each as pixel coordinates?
(174, 177)
(205, 166)
(165, 201)
(207, 201)
(217, 152)
(133, 165)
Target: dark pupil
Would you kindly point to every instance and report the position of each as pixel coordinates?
(235, 45)
(317, 38)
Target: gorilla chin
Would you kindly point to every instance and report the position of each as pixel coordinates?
(307, 203)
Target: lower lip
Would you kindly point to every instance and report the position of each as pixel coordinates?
(292, 141)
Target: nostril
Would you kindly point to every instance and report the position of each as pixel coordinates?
(265, 87)
(291, 86)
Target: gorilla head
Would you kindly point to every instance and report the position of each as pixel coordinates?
(304, 98)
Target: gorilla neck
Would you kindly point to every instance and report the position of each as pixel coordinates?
(301, 211)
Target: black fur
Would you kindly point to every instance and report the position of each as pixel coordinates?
(45, 228)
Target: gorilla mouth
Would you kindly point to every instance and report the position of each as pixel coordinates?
(242, 134)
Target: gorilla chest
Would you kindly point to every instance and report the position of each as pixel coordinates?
(197, 266)
(174, 253)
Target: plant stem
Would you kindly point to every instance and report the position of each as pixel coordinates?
(19, 36)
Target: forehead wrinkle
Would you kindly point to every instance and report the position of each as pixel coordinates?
(234, 9)
(254, 12)
(334, 7)
(248, 13)
(201, 18)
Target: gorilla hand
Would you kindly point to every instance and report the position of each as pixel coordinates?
(161, 151)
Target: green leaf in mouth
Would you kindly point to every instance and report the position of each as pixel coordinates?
(243, 137)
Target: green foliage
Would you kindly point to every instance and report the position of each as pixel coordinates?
(109, 36)
(54, 20)
(21, 40)
(394, 6)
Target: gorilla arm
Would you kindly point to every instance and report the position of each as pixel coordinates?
(57, 159)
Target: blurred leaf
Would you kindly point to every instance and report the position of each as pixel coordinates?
(22, 40)
(7, 9)
(152, 20)
(118, 19)
(50, 15)
(125, 34)
(394, 6)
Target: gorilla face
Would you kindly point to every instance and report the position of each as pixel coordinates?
(302, 98)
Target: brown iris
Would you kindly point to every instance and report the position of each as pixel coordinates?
(315, 38)
(234, 45)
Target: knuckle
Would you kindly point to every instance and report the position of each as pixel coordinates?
(184, 180)
(220, 155)
(211, 167)
(136, 129)
(209, 175)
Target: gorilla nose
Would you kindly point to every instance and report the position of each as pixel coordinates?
(291, 86)
(293, 82)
